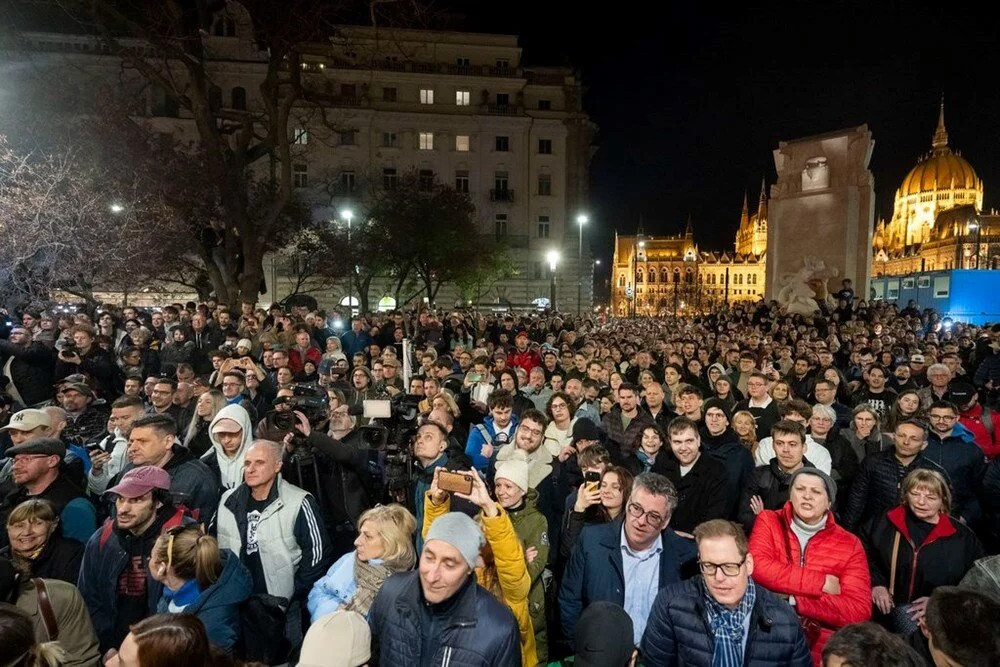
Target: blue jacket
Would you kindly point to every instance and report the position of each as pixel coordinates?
(218, 606)
(678, 633)
(336, 588)
(595, 571)
(474, 445)
(965, 464)
(352, 343)
(472, 629)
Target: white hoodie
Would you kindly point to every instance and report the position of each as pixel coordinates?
(230, 468)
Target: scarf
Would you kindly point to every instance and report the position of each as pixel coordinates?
(370, 577)
(727, 627)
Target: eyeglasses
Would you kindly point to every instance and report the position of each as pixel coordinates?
(942, 418)
(637, 511)
(728, 569)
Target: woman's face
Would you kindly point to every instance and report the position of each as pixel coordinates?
(713, 374)
(178, 335)
(742, 425)
(28, 536)
(808, 497)
(694, 367)
(779, 391)
(559, 409)
(128, 654)
(508, 493)
(606, 404)
(908, 404)
(507, 382)
(203, 407)
(284, 375)
(722, 387)
(611, 491)
(925, 503)
(332, 344)
(369, 544)
(651, 442)
(615, 381)
(864, 422)
(832, 375)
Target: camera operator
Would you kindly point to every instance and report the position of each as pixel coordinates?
(29, 366)
(334, 470)
(82, 355)
(274, 426)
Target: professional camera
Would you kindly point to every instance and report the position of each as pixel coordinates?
(390, 437)
(67, 347)
(308, 399)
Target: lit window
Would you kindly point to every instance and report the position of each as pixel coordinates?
(426, 141)
(300, 136)
(462, 98)
(462, 143)
(427, 96)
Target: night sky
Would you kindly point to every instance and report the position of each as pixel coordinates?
(691, 101)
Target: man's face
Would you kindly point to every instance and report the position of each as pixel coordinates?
(686, 446)
(575, 389)
(715, 421)
(74, 401)
(501, 416)
(134, 513)
(429, 443)
(122, 419)
(910, 440)
(789, 450)
(529, 435)
(902, 374)
(687, 349)
(537, 378)
(19, 336)
(83, 341)
(29, 468)
(801, 367)
(550, 361)
(356, 326)
(953, 364)
(198, 322)
(825, 394)
(757, 387)
(556, 382)
(465, 361)
(28, 321)
(302, 339)
(147, 447)
(654, 396)
(132, 387)
(260, 466)
(231, 387)
(746, 365)
(721, 551)
(162, 396)
(942, 420)
(642, 531)
(389, 371)
(279, 359)
(939, 378)
(417, 386)
(431, 388)
(224, 319)
(627, 400)
(443, 570)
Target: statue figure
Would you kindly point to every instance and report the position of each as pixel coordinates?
(801, 293)
(816, 175)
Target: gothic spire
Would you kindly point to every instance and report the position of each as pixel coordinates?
(762, 204)
(689, 230)
(745, 216)
(940, 141)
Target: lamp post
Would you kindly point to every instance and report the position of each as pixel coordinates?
(553, 257)
(116, 207)
(581, 220)
(975, 227)
(347, 214)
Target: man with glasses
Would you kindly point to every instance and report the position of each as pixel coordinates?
(763, 408)
(233, 386)
(628, 560)
(749, 625)
(162, 403)
(954, 447)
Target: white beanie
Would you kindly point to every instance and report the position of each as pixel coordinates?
(514, 470)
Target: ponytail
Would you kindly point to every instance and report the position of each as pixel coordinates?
(191, 554)
(49, 654)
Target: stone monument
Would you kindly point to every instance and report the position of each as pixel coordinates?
(821, 215)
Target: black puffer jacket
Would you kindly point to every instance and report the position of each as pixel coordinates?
(769, 482)
(471, 629)
(876, 488)
(31, 370)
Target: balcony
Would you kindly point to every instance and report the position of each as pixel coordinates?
(503, 195)
(503, 110)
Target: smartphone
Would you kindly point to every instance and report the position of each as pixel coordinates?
(475, 377)
(92, 447)
(454, 482)
(593, 479)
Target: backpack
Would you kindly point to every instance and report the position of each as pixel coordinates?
(175, 520)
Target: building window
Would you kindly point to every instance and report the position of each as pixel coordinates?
(389, 140)
(543, 226)
(545, 146)
(347, 138)
(500, 225)
(347, 181)
(462, 98)
(348, 90)
(300, 175)
(544, 184)
(621, 280)
(638, 276)
(500, 181)
(239, 96)
(652, 276)
(537, 272)
(388, 94)
(502, 144)
(503, 99)
(426, 141)
(462, 143)
(300, 136)
(224, 27)
(544, 105)
(462, 62)
(426, 179)
(389, 178)
(462, 180)
(427, 96)
(502, 63)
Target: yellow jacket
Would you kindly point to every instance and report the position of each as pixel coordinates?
(515, 584)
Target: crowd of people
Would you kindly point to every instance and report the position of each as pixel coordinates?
(195, 485)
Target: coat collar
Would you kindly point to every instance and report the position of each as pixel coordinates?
(943, 528)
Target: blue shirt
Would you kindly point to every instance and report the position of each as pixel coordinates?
(642, 579)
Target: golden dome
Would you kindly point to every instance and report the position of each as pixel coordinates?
(942, 169)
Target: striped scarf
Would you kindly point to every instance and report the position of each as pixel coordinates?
(727, 627)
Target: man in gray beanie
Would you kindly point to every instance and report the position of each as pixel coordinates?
(439, 614)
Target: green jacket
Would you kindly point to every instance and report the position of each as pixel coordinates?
(532, 529)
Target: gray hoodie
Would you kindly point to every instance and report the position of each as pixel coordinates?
(230, 469)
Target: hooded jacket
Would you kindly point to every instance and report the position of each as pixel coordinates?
(218, 606)
(728, 450)
(229, 471)
(474, 445)
(531, 528)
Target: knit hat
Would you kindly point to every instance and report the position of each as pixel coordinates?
(716, 403)
(604, 636)
(244, 343)
(585, 429)
(346, 633)
(461, 532)
(515, 470)
(831, 486)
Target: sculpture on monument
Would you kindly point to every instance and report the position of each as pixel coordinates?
(816, 174)
(800, 293)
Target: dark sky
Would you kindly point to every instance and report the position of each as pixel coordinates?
(692, 100)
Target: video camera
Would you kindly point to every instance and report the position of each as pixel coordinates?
(393, 425)
(308, 399)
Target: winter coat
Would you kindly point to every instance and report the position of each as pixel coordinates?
(297, 361)
(876, 488)
(532, 528)
(98, 366)
(728, 450)
(77, 516)
(473, 629)
(677, 632)
(476, 440)
(946, 554)
(335, 473)
(31, 370)
(228, 472)
(60, 559)
(511, 567)
(625, 437)
(595, 570)
(782, 567)
(701, 493)
(172, 353)
(863, 447)
(526, 360)
(218, 606)
(769, 482)
(988, 439)
(192, 484)
(984, 577)
(336, 588)
(966, 465)
(76, 631)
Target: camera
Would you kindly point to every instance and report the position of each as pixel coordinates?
(67, 347)
(308, 399)
(390, 438)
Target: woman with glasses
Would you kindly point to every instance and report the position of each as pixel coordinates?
(559, 433)
(801, 552)
(916, 547)
(200, 579)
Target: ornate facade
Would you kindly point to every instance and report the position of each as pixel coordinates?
(937, 220)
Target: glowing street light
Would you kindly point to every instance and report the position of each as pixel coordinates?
(553, 257)
(116, 207)
(347, 214)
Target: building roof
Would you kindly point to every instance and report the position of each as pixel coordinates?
(942, 169)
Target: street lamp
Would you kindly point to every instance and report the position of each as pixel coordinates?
(581, 220)
(116, 207)
(347, 214)
(974, 226)
(553, 257)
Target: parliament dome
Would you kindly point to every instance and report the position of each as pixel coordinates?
(940, 171)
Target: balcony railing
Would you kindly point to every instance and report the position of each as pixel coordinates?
(503, 109)
(503, 195)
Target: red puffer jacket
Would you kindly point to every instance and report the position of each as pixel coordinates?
(780, 566)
